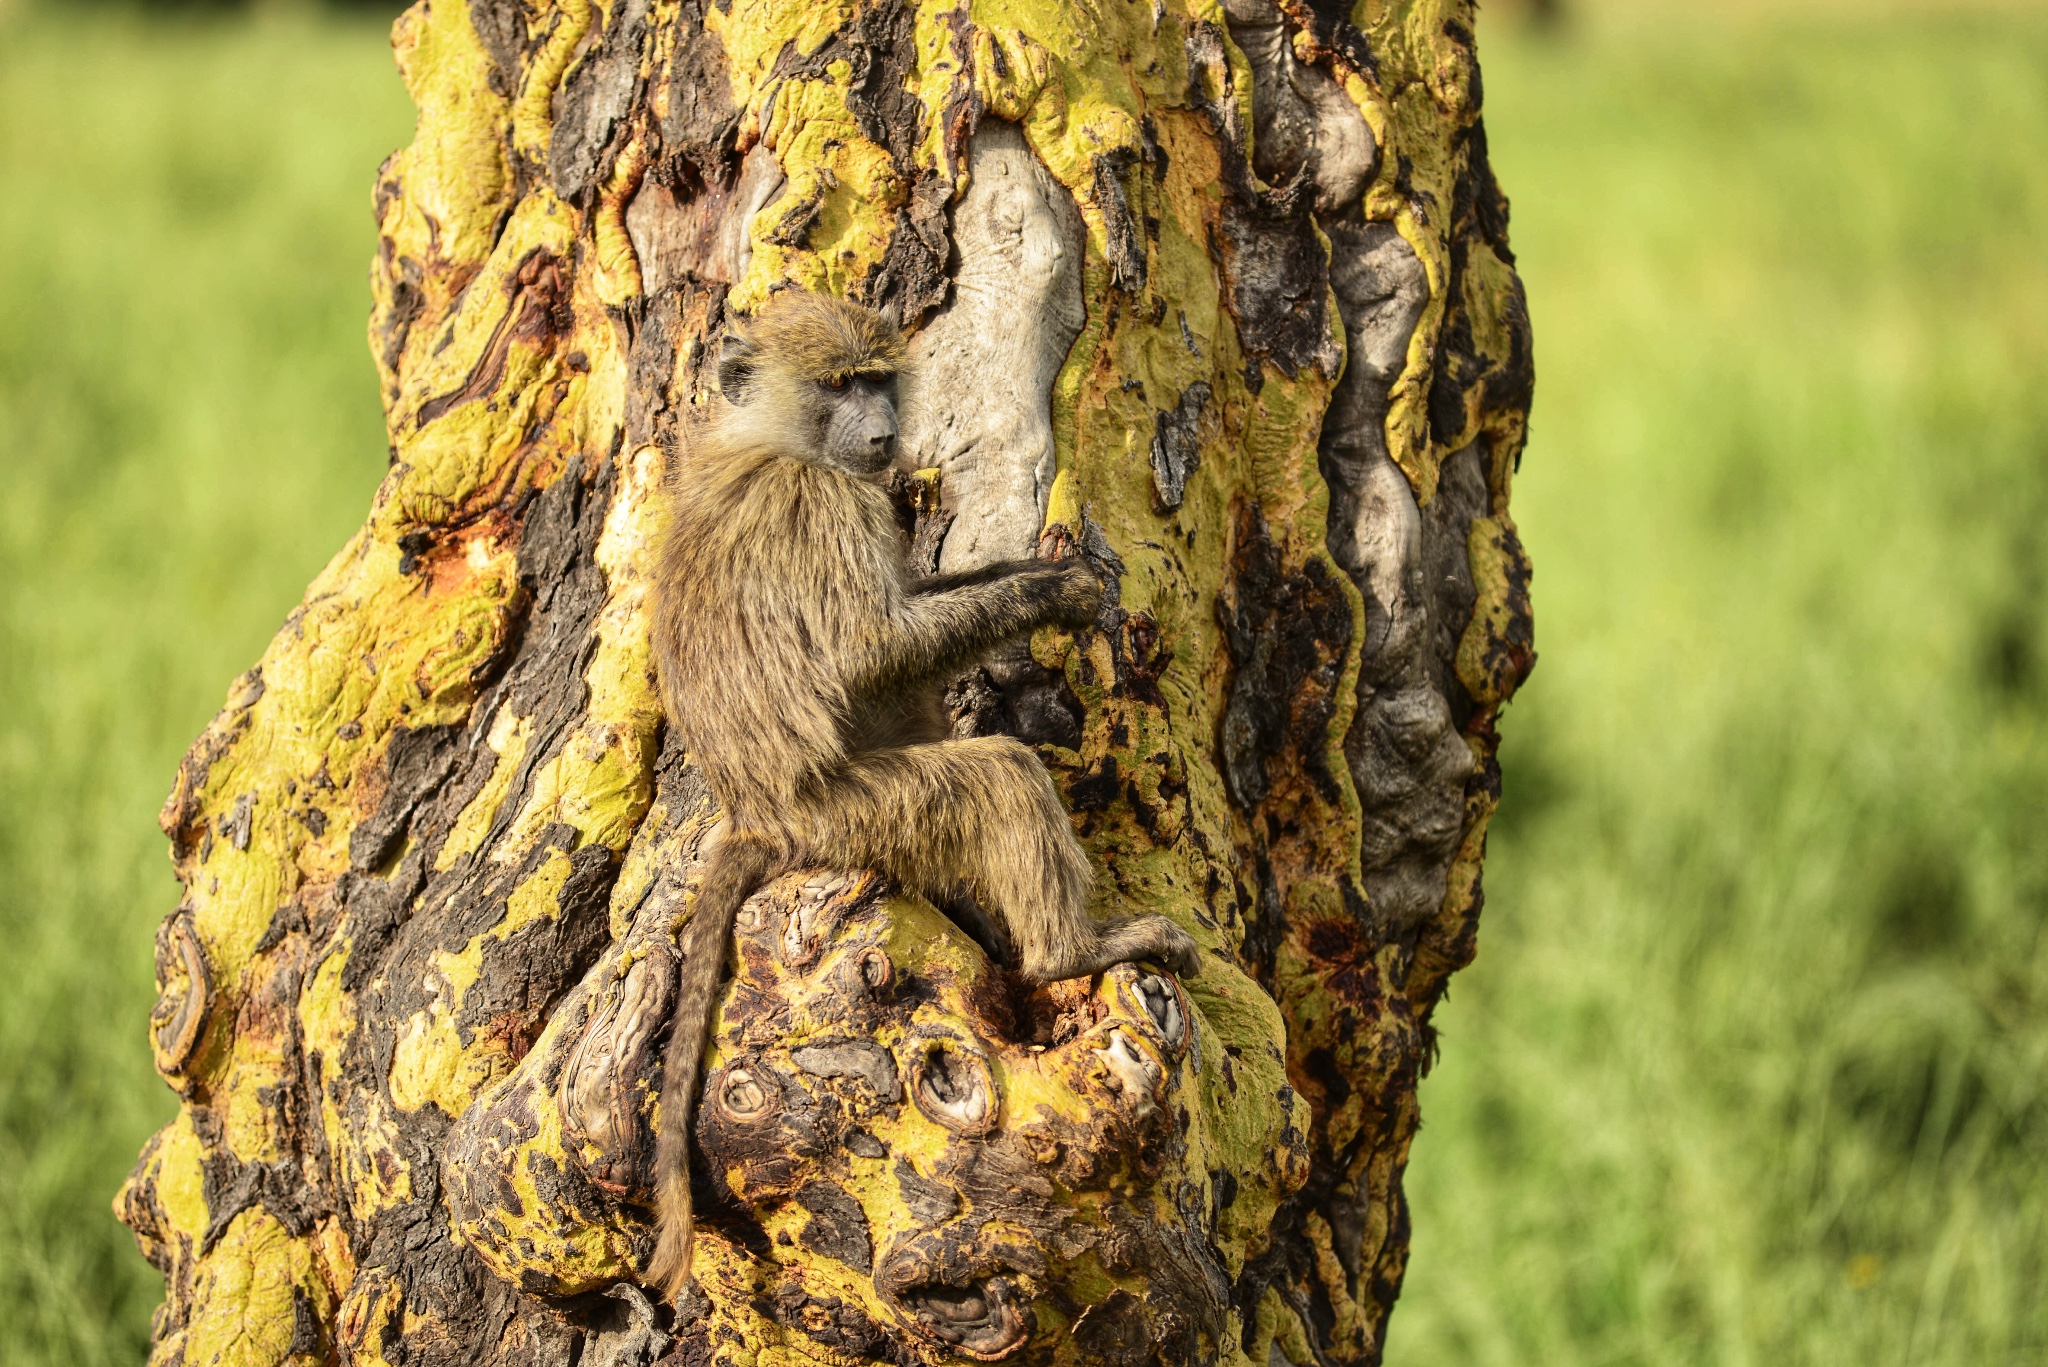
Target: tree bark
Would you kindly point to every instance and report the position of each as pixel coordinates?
(1219, 297)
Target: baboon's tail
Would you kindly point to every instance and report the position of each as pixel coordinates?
(739, 865)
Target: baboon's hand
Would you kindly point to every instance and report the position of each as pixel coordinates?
(1079, 594)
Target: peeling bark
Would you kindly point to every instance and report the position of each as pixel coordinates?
(1220, 299)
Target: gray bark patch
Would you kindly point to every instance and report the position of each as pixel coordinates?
(1303, 124)
(838, 1227)
(1176, 446)
(855, 1058)
(415, 764)
(594, 101)
(701, 123)
(1124, 246)
(627, 1333)
(930, 1202)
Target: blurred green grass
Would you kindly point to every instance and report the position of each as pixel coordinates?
(189, 429)
(1751, 1067)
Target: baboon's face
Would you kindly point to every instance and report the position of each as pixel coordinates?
(855, 422)
(818, 408)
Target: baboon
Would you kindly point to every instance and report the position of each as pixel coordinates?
(800, 663)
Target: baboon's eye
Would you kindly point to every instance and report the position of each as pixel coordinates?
(835, 382)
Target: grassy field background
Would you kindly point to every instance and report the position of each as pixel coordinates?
(1751, 1068)
(189, 429)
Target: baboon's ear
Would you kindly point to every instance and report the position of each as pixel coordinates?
(736, 357)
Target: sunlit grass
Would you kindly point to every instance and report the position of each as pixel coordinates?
(188, 428)
(1750, 1069)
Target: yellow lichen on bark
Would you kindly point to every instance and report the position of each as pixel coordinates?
(436, 852)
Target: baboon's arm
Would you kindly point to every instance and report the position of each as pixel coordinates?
(938, 631)
(986, 574)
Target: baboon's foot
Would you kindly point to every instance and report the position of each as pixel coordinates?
(1151, 939)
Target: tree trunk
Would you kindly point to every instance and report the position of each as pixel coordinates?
(1220, 298)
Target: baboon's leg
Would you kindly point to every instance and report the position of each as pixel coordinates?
(982, 816)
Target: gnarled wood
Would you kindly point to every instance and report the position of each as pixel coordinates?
(1219, 297)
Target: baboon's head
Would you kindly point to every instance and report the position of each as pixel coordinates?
(815, 376)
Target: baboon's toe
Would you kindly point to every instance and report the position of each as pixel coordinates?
(1156, 939)
(1147, 939)
(1173, 947)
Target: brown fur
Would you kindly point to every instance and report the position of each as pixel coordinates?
(800, 663)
